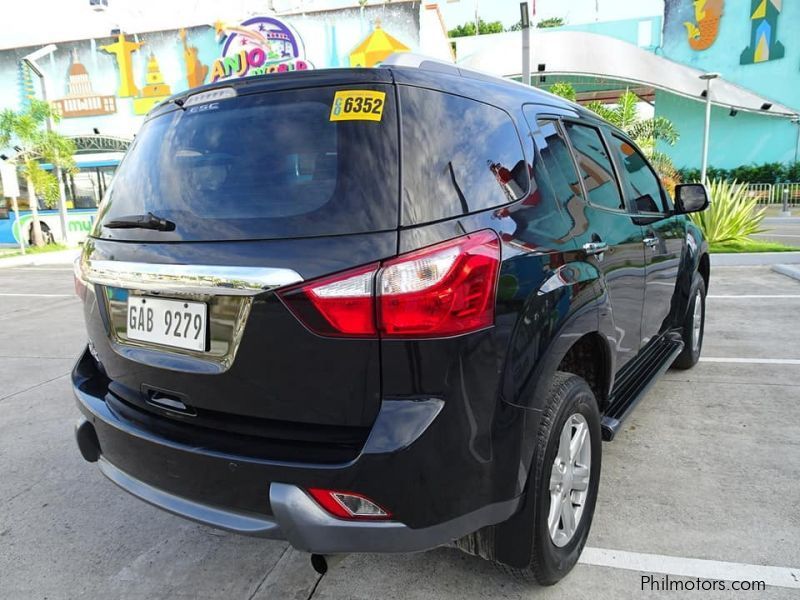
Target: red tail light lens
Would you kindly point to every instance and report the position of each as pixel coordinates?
(443, 290)
(348, 505)
(341, 305)
(446, 289)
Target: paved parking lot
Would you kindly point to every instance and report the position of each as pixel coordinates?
(782, 230)
(707, 468)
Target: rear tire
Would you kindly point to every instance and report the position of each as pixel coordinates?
(571, 478)
(694, 325)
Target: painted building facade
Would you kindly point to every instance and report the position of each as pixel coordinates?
(110, 83)
(103, 87)
(752, 43)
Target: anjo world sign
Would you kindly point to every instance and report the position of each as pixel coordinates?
(259, 45)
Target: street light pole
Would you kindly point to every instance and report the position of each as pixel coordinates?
(525, 22)
(30, 61)
(796, 121)
(707, 77)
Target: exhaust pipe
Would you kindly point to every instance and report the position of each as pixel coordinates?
(87, 440)
(323, 562)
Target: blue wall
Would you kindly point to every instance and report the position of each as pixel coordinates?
(776, 79)
(733, 141)
(746, 138)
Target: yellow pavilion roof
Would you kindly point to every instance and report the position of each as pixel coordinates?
(375, 47)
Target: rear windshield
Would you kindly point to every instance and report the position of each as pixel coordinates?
(269, 165)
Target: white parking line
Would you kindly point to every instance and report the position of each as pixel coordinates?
(39, 295)
(752, 296)
(758, 361)
(791, 235)
(786, 577)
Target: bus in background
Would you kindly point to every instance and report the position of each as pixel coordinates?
(83, 191)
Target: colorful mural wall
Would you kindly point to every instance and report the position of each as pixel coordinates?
(764, 44)
(702, 32)
(110, 83)
(258, 46)
(752, 47)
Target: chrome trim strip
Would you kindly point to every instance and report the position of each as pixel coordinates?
(187, 279)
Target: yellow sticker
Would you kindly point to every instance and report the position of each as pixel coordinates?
(357, 105)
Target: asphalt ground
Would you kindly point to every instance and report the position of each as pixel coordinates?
(782, 232)
(703, 481)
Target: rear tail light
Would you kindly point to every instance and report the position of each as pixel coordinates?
(443, 290)
(81, 284)
(348, 505)
(446, 289)
(341, 305)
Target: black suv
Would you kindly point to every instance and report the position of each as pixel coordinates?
(381, 310)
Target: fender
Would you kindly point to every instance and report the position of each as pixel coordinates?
(695, 258)
(560, 312)
(564, 308)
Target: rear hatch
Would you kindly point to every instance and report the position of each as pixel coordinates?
(242, 191)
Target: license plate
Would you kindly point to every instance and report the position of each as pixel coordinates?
(177, 323)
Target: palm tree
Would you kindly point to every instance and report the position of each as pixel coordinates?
(645, 132)
(27, 129)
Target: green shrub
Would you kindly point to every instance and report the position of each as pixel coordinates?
(766, 173)
(565, 90)
(732, 215)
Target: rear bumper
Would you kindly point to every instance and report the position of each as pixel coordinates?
(267, 498)
(301, 522)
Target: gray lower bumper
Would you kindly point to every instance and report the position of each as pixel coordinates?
(307, 527)
(183, 507)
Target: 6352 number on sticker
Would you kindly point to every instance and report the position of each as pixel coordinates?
(357, 105)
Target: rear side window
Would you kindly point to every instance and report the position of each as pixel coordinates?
(558, 163)
(261, 166)
(595, 166)
(640, 182)
(459, 156)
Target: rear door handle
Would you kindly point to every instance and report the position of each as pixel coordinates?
(591, 248)
(650, 242)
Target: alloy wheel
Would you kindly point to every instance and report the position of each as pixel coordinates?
(697, 321)
(569, 480)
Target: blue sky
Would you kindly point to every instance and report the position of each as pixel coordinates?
(574, 11)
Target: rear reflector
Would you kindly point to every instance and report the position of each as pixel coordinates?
(348, 505)
(443, 290)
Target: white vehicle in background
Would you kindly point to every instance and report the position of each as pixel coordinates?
(83, 190)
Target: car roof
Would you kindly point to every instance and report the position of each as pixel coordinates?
(445, 77)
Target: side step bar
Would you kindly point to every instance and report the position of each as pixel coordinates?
(636, 378)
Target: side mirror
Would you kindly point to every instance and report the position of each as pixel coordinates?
(690, 197)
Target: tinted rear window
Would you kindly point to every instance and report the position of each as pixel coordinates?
(459, 156)
(262, 166)
(595, 166)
